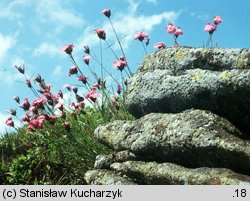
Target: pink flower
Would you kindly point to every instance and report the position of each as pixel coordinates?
(73, 70)
(86, 59)
(93, 95)
(210, 28)
(36, 123)
(83, 79)
(9, 122)
(68, 48)
(21, 69)
(122, 58)
(38, 103)
(120, 65)
(140, 36)
(106, 12)
(119, 89)
(25, 104)
(178, 32)
(26, 118)
(101, 33)
(171, 28)
(160, 45)
(217, 20)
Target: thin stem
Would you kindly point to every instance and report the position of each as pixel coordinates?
(209, 40)
(144, 48)
(119, 42)
(109, 46)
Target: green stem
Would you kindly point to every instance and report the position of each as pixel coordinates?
(119, 42)
(144, 48)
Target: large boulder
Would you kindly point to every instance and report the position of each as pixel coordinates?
(193, 138)
(106, 177)
(167, 173)
(175, 79)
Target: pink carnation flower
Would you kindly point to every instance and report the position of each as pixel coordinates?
(140, 36)
(68, 48)
(210, 28)
(171, 28)
(9, 122)
(101, 33)
(93, 95)
(106, 12)
(160, 45)
(217, 20)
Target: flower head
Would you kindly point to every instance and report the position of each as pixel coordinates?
(83, 79)
(39, 103)
(68, 48)
(140, 36)
(38, 79)
(12, 112)
(210, 28)
(9, 122)
(86, 59)
(36, 123)
(159, 45)
(17, 99)
(119, 89)
(106, 12)
(122, 58)
(73, 70)
(93, 95)
(86, 49)
(171, 28)
(25, 104)
(217, 20)
(178, 32)
(21, 69)
(120, 65)
(101, 33)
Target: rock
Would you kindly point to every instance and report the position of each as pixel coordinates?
(175, 79)
(167, 173)
(106, 177)
(179, 59)
(104, 161)
(193, 138)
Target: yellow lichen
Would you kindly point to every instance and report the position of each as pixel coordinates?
(180, 53)
(224, 75)
(196, 77)
(240, 63)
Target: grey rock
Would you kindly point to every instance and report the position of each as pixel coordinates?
(176, 79)
(167, 173)
(179, 59)
(193, 138)
(104, 161)
(106, 177)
